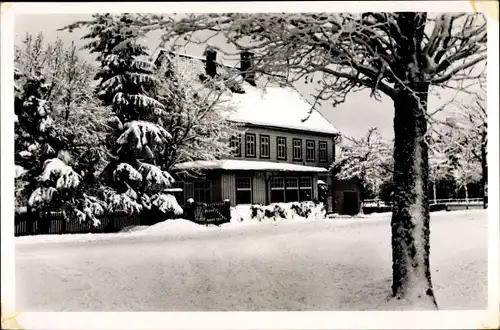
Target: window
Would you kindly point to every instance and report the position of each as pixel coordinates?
(323, 157)
(281, 147)
(264, 146)
(305, 189)
(310, 148)
(203, 191)
(243, 190)
(297, 149)
(277, 190)
(235, 145)
(292, 189)
(250, 145)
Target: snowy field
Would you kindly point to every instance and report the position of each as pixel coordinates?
(296, 265)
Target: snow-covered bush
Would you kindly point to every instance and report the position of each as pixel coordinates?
(274, 212)
(301, 209)
(257, 212)
(60, 188)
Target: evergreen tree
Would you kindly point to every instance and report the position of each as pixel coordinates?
(128, 84)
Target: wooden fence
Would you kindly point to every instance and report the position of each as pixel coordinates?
(452, 204)
(36, 223)
(213, 213)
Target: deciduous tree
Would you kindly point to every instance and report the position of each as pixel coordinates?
(402, 55)
(468, 138)
(365, 160)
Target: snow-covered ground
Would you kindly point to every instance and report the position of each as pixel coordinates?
(318, 264)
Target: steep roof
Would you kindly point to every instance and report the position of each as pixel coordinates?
(269, 103)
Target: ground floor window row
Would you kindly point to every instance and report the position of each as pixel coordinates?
(282, 188)
(291, 189)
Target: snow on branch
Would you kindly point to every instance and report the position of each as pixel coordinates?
(124, 202)
(342, 51)
(155, 177)
(140, 134)
(63, 175)
(42, 196)
(167, 203)
(125, 173)
(366, 159)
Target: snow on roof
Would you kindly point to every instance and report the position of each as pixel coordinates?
(267, 104)
(246, 165)
(278, 107)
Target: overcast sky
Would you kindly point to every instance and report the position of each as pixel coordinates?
(354, 117)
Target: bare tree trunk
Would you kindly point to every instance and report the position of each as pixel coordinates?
(410, 218)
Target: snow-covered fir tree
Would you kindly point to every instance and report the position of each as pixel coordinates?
(41, 172)
(127, 83)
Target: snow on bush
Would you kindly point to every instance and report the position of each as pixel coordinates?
(167, 203)
(278, 211)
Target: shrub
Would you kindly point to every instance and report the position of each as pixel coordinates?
(269, 213)
(302, 209)
(279, 211)
(257, 212)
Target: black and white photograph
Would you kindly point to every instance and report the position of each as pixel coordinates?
(205, 157)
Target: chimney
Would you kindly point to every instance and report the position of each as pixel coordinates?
(210, 65)
(247, 64)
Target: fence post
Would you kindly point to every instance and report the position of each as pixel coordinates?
(30, 221)
(226, 210)
(191, 206)
(63, 224)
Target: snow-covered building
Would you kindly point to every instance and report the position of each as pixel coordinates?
(279, 156)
